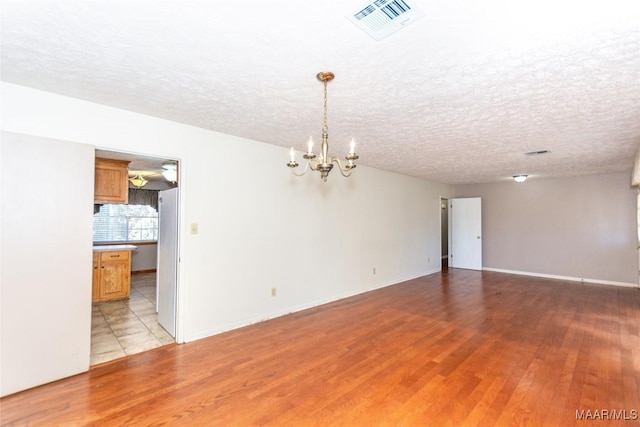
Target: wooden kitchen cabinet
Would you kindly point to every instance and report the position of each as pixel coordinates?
(111, 275)
(111, 181)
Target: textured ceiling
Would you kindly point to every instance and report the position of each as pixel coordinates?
(456, 97)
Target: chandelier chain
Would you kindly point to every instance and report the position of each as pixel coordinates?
(325, 127)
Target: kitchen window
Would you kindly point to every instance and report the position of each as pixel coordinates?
(125, 223)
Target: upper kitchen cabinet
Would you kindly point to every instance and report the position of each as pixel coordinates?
(111, 185)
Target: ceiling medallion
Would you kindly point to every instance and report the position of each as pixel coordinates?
(322, 162)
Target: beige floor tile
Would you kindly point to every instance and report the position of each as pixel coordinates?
(111, 306)
(97, 317)
(157, 330)
(136, 298)
(119, 317)
(96, 314)
(150, 320)
(142, 308)
(165, 338)
(130, 326)
(139, 347)
(149, 293)
(108, 356)
(104, 343)
(129, 341)
(98, 329)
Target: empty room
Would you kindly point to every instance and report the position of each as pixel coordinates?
(394, 213)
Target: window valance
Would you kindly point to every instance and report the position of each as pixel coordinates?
(143, 197)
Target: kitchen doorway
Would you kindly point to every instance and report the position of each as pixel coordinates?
(127, 326)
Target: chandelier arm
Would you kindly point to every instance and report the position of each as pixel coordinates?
(345, 171)
(293, 170)
(313, 165)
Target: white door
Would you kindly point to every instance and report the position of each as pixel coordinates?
(466, 233)
(167, 268)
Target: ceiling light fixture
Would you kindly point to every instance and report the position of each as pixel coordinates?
(520, 178)
(138, 181)
(324, 163)
(170, 171)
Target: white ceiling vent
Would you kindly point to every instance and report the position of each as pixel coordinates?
(537, 153)
(384, 17)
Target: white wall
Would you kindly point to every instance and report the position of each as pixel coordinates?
(580, 228)
(259, 227)
(45, 260)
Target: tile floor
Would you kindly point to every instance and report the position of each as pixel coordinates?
(122, 328)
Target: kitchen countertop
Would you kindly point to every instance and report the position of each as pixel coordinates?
(104, 248)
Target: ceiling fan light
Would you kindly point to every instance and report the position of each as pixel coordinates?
(520, 178)
(170, 175)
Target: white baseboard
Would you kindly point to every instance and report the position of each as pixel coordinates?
(569, 278)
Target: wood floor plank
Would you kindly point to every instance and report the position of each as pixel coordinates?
(462, 348)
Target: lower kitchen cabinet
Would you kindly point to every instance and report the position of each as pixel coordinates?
(111, 275)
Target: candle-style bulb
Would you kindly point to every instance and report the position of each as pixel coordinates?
(352, 146)
(310, 145)
(292, 154)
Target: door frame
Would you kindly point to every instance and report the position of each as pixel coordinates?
(179, 161)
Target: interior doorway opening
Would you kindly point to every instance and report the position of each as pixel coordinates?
(130, 325)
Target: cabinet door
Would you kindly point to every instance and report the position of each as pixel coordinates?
(114, 279)
(111, 181)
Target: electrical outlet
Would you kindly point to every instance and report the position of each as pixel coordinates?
(273, 292)
(194, 228)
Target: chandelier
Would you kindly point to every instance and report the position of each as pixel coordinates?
(322, 162)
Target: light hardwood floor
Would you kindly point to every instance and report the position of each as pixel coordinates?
(463, 348)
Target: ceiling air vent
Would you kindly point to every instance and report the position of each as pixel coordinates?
(384, 17)
(537, 153)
